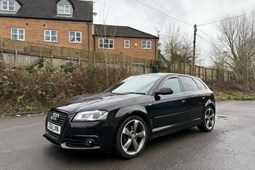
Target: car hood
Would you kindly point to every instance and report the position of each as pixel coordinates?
(102, 101)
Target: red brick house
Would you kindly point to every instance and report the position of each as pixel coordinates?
(69, 23)
(125, 40)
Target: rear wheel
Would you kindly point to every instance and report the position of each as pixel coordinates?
(208, 120)
(131, 137)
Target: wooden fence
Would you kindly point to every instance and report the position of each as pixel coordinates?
(18, 53)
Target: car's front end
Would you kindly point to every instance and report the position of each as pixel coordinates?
(71, 131)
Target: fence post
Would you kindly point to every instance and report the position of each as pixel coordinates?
(195, 70)
(131, 66)
(205, 74)
(94, 58)
(199, 71)
(137, 67)
(51, 57)
(28, 48)
(106, 67)
(126, 66)
(62, 51)
(1, 46)
(40, 51)
(16, 52)
(212, 71)
(144, 66)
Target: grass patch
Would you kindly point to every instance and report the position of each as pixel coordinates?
(227, 95)
(230, 90)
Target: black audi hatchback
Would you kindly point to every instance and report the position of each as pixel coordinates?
(126, 115)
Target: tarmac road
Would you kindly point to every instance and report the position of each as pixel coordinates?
(231, 145)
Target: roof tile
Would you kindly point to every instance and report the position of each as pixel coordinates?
(120, 31)
(46, 9)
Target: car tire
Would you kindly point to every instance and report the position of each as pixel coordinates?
(131, 137)
(208, 118)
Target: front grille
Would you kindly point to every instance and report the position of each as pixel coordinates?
(60, 121)
(62, 118)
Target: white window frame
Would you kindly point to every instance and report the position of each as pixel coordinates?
(65, 11)
(106, 45)
(50, 36)
(8, 5)
(75, 37)
(127, 42)
(147, 44)
(18, 34)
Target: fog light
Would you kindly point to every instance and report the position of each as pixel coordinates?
(89, 142)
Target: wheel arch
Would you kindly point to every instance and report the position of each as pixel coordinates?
(144, 117)
(211, 104)
(140, 111)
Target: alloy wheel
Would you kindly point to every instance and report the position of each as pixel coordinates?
(133, 137)
(209, 118)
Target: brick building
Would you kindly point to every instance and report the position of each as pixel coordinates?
(69, 23)
(125, 40)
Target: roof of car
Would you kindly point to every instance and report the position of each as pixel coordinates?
(166, 74)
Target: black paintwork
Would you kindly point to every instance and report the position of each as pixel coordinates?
(163, 113)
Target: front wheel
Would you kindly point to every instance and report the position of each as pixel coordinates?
(208, 120)
(131, 137)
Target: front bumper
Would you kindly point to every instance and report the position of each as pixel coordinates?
(83, 135)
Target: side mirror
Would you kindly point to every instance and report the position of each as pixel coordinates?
(164, 91)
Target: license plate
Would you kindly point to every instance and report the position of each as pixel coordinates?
(54, 128)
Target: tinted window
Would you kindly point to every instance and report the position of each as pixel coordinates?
(189, 84)
(200, 84)
(172, 83)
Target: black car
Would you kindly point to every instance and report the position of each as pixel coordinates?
(126, 115)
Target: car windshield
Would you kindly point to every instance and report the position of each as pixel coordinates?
(135, 84)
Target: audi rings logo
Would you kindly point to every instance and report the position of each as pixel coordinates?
(54, 116)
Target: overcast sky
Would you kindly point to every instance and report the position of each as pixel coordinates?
(140, 16)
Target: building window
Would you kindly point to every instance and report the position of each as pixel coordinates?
(18, 34)
(8, 6)
(50, 36)
(146, 44)
(75, 36)
(106, 43)
(64, 9)
(126, 43)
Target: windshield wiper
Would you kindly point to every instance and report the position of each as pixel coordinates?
(134, 93)
(128, 93)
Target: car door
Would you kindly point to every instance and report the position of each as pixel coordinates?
(167, 110)
(194, 100)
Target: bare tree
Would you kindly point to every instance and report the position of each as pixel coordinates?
(105, 32)
(176, 46)
(235, 48)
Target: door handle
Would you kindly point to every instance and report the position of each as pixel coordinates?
(203, 97)
(183, 100)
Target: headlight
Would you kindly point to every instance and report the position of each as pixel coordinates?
(91, 115)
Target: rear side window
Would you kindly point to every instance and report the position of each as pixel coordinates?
(172, 83)
(189, 84)
(200, 85)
